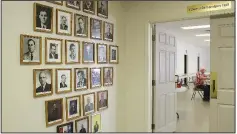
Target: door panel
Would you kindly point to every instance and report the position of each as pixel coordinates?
(161, 123)
(226, 118)
(172, 67)
(226, 97)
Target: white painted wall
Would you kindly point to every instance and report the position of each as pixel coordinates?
(20, 111)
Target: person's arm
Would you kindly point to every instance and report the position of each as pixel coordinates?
(203, 77)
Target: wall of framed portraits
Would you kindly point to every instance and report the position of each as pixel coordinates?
(60, 64)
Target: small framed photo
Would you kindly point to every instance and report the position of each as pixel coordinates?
(88, 52)
(75, 4)
(54, 112)
(73, 106)
(63, 80)
(72, 48)
(108, 31)
(82, 125)
(113, 54)
(53, 51)
(101, 53)
(57, 2)
(43, 79)
(64, 22)
(89, 6)
(108, 76)
(102, 9)
(65, 128)
(81, 78)
(43, 18)
(96, 28)
(102, 100)
(31, 49)
(95, 77)
(88, 103)
(96, 123)
(80, 25)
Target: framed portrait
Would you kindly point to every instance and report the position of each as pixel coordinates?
(54, 112)
(63, 80)
(96, 123)
(102, 9)
(113, 54)
(81, 78)
(31, 49)
(88, 52)
(101, 53)
(102, 100)
(43, 79)
(63, 22)
(65, 128)
(95, 77)
(57, 2)
(89, 6)
(80, 25)
(82, 125)
(88, 103)
(75, 4)
(108, 76)
(96, 28)
(43, 18)
(73, 107)
(72, 48)
(53, 51)
(108, 31)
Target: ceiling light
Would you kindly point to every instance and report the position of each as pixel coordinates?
(206, 40)
(203, 35)
(196, 27)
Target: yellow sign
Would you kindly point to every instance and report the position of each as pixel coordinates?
(213, 85)
(209, 7)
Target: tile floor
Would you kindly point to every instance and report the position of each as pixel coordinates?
(193, 114)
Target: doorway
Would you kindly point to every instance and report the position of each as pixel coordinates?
(185, 68)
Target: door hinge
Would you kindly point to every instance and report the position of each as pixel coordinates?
(153, 37)
(152, 126)
(153, 83)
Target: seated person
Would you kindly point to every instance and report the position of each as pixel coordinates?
(200, 79)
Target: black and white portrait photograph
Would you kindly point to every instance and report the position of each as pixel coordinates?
(101, 53)
(54, 111)
(63, 22)
(43, 18)
(102, 100)
(89, 6)
(82, 125)
(57, 2)
(113, 54)
(31, 49)
(73, 107)
(42, 82)
(81, 78)
(80, 25)
(88, 103)
(108, 76)
(65, 128)
(72, 51)
(108, 31)
(95, 77)
(53, 48)
(75, 4)
(102, 9)
(63, 80)
(96, 28)
(88, 55)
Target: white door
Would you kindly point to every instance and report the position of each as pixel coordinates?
(164, 103)
(222, 115)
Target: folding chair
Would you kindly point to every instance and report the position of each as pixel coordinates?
(195, 90)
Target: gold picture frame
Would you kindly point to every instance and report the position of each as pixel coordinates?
(66, 84)
(84, 118)
(27, 55)
(67, 51)
(92, 36)
(78, 97)
(73, 7)
(111, 61)
(83, 102)
(105, 83)
(91, 78)
(69, 24)
(47, 53)
(88, 9)
(75, 79)
(36, 19)
(108, 36)
(76, 16)
(38, 91)
(84, 56)
(99, 103)
(99, 11)
(98, 54)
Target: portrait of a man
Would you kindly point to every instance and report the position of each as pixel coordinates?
(73, 107)
(102, 8)
(81, 78)
(64, 22)
(43, 81)
(75, 4)
(88, 52)
(95, 77)
(101, 51)
(96, 28)
(108, 35)
(54, 111)
(108, 76)
(43, 17)
(65, 128)
(89, 103)
(102, 99)
(89, 106)
(113, 56)
(89, 6)
(72, 51)
(96, 123)
(63, 80)
(82, 125)
(53, 50)
(81, 25)
(73, 54)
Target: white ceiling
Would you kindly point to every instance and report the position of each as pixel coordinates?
(189, 35)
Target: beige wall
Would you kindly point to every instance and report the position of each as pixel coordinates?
(136, 87)
(21, 112)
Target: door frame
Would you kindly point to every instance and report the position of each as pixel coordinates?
(149, 68)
